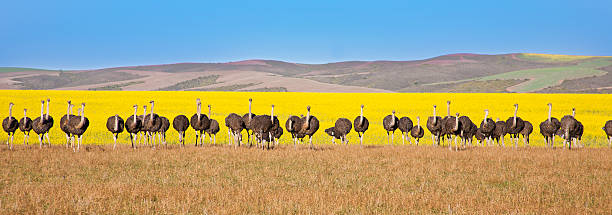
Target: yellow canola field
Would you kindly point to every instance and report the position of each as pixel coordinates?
(592, 110)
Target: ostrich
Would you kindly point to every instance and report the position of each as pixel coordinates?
(115, 125)
(434, 125)
(235, 125)
(277, 131)
(342, 127)
(467, 129)
(405, 126)
(10, 125)
(333, 134)
(447, 125)
(78, 126)
(25, 126)
(199, 123)
(40, 125)
(48, 123)
(499, 132)
(578, 135)
(310, 125)
(361, 126)
(213, 128)
(527, 129)
(608, 129)
(64, 123)
(452, 126)
(165, 125)
(180, 123)
(569, 127)
(247, 118)
(514, 125)
(293, 126)
(262, 125)
(480, 137)
(417, 131)
(549, 127)
(142, 135)
(390, 123)
(133, 124)
(487, 126)
(152, 124)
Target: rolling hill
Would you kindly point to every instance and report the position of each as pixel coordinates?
(517, 72)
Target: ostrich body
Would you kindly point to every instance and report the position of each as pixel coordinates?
(165, 125)
(390, 124)
(467, 130)
(152, 124)
(213, 128)
(341, 128)
(514, 125)
(451, 127)
(234, 125)
(405, 126)
(527, 130)
(78, 126)
(262, 125)
(276, 130)
(133, 124)
(25, 126)
(434, 125)
(10, 125)
(115, 125)
(480, 137)
(41, 125)
(568, 129)
(361, 126)
(48, 123)
(608, 130)
(549, 127)
(334, 135)
(199, 123)
(180, 123)
(447, 125)
(293, 126)
(64, 123)
(142, 135)
(499, 132)
(310, 125)
(417, 131)
(577, 136)
(247, 118)
(487, 126)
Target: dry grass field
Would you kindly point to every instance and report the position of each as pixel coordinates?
(332, 179)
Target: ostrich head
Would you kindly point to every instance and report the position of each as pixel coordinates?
(250, 104)
(25, 113)
(573, 112)
(135, 110)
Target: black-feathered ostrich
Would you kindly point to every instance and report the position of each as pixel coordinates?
(578, 135)
(133, 124)
(549, 127)
(152, 124)
(361, 125)
(142, 135)
(41, 125)
(262, 125)
(180, 123)
(467, 130)
(451, 127)
(165, 125)
(499, 132)
(310, 125)
(405, 126)
(434, 125)
(276, 131)
(569, 129)
(447, 125)
(417, 131)
(213, 128)
(10, 125)
(247, 118)
(341, 128)
(234, 125)
(199, 123)
(25, 126)
(487, 127)
(527, 130)
(608, 130)
(293, 126)
(480, 137)
(514, 125)
(64, 123)
(390, 124)
(78, 126)
(115, 125)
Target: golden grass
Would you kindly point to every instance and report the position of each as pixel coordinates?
(333, 179)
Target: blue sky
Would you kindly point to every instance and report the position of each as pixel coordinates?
(94, 34)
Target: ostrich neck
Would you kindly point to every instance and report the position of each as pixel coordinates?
(116, 123)
(514, 120)
(361, 117)
(144, 114)
(290, 124)
(486, 115)
(82, 117)
(25, 114)
(272, 115)
(47, 116)
(308, 117)
(209, 112)
(418, 122)
(250, 103)
(152, 104)
(10, 112)
(199, 112)
(448, 110)
(434, 116)
(573, 113)
(67, 112)
(549, 110)
(135, 110)
(392, 119)
(456, 123)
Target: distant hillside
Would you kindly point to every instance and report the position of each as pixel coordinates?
(448, 73)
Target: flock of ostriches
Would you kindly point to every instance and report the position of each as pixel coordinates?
(265, 130)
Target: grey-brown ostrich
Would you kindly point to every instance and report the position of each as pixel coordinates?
(608, 130)
(361, 125)
(262, 125)
(247, 118)
(180, 123)
(417, 131)
(447, 125)
(434, 125)
(276, 131)
(310, 125)
(41, 125)
(199, 123)
(578, 135)
(480, 137)
(234, 125)
(499, 132)
(342, 127)
(390, 124)
(48, 123)
(25, 126)
(333, 134)
(213, 128)
(78, 126)
(64, 126)
(142, 135)
(549, 127)
(527, 130)
(467, 130)
(152, 124)
(293, 126)
(165, 125)
(452, 127)
(405, 126)
(133, 124)
(115, 125)
(514, 125)
(568, 129)
(10, 125)
(487, 126)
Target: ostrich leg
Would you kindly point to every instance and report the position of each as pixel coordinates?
(40, 140)
(115, 139)
(609, 142)
(392, 133)
(403, 137)
(361, 140)
(48, 140)
(12, 136)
